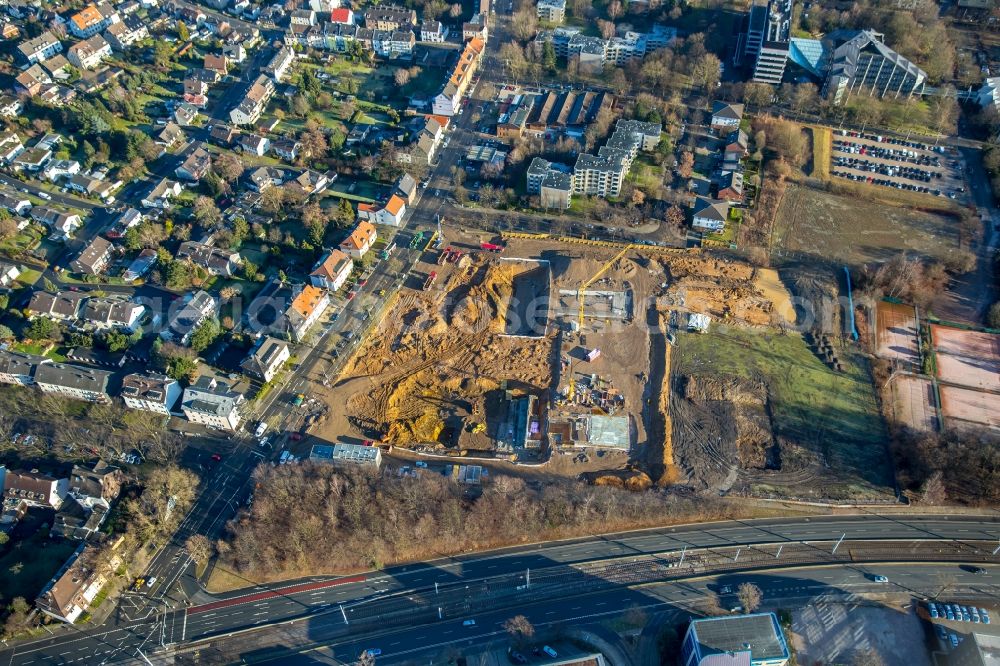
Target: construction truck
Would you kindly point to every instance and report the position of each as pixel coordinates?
(429, 282)
(492, 247)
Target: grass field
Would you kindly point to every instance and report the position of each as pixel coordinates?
(853, 231)
(830, 414)
(822, 145)
(29, 563)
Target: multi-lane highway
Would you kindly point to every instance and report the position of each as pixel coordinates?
(402, 598)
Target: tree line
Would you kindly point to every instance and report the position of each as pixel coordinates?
(314, 517)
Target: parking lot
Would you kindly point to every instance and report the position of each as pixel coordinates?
(898, 163)
(953, 622)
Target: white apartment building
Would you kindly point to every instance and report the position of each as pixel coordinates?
(150, 392)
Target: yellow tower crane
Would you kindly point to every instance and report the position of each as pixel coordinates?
(593, 278)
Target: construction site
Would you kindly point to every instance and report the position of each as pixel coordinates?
(606, 362)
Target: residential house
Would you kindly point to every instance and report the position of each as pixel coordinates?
(34, 488)
(40, 48)
(392, 213)
(389, 17)
(171, 135)
(302, 17)
(112, 313)
(75, 586)
(10, 106)
(185, 114)
(8, 273)
(59, 169)
(406, 187)
(215, 260)
(18, 368)
(14, 203)
(235, 52)
(447, 102)
(359, 241)
(254, 144)
(342, 15)
(32, 81)
(195, 166)
(218, 64)
(88, 501)
(309, 182)
(58, 68)
(425, 144)
(393, 44)
(332, 271)
(710, 215)
(150, 392)
(94, 258)
(726, 116)
(10, 147)
(92, 19)
(222, 135)
(90, 186)
(161, 194)
(141, 265)
(475, 28)
(433, 31)
(131, 217)
(249, 110)
(264, 177)
(731, 187)
(191, 313)
(89, 53)
(266, 358)
(286, 149)
(127, 32)
(73, 381)
(213, 403)
(61, 306)
(59, 222)
(551, 11)
(32, 159)
(304, 311)
(278, 66)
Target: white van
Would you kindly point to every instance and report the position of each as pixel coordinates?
(285, 456)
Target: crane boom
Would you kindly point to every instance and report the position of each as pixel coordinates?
(583, 286)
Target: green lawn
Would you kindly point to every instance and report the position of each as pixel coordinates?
(834, 415)
(28, 564)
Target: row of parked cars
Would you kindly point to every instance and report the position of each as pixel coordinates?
(892, 141)
(861, 164)
(958, 613)
(897, 154)
(912, 187)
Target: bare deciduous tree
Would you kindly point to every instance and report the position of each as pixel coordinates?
(750, 597)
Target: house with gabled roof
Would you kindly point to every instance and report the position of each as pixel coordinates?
(332, 271)
(360, 240)
(266, 358)
(710, 214)
(726, 116)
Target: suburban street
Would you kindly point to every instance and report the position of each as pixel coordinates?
(402, 599)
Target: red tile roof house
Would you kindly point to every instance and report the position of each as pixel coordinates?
(360, 240)
(332, 272)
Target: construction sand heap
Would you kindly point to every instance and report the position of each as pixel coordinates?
(425, 372)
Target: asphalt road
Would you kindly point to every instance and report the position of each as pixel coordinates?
(427, 643)
(396, 598)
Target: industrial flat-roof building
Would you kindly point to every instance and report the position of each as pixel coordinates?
(368, 456)
(738, 640)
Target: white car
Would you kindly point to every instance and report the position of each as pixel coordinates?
(45, 195)
(259, 432)
(151, 582)
(469, 623)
